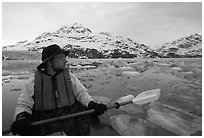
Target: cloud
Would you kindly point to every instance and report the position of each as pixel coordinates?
(148, 21)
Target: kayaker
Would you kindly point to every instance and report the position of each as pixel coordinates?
(51, 92)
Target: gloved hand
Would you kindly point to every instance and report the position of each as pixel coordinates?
(22, 124)
(99, 108)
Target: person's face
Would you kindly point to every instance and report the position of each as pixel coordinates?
(59, 61)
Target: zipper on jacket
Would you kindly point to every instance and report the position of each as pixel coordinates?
(56, 94)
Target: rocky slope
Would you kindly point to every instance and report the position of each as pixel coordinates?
(190, 46)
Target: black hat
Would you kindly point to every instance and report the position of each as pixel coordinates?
(49, 52)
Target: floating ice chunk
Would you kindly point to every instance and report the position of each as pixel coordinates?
(21, 77)
(133, 64)
(128, 126)
(131, 87)
(89, 67)
(130, 73)
(163, 64)
(132, 109)
(101, 99)
(176, 68)
(6, 77)
(75, 67)
(187, 73)
(97, 89)
(5, 73)
(103, 69)
(9, 77)
(127, 68)
(174, 119)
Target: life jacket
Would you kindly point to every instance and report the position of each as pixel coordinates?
(53, 92)
(79, 125)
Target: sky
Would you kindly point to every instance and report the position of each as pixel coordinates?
(150, 23)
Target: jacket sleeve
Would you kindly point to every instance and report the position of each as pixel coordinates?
(25, 101)
(80, 92)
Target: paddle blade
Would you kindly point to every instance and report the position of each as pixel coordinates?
(125, 99)
(147, 96)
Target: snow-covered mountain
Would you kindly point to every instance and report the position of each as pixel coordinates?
(190, 46)
(83, 43)
(21, 45)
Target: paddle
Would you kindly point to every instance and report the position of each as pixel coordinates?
(142, 98)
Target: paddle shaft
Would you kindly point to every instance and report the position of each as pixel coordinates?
(5, 131)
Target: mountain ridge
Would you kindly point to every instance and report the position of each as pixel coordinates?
(83, 43)
(189, 46)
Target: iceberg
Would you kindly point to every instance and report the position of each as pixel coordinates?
(174, 119)
(128, 126)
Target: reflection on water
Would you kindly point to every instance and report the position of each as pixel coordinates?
(10, 94)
